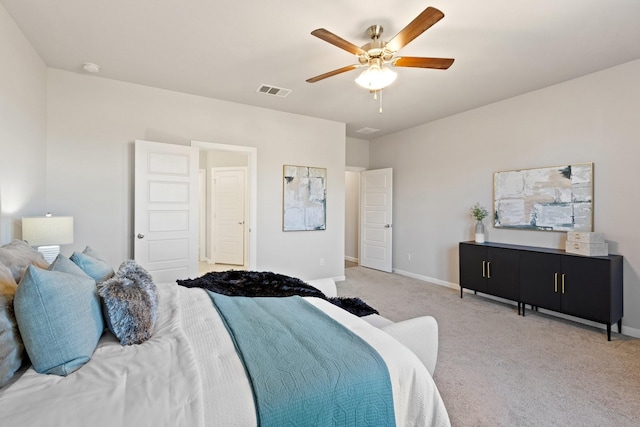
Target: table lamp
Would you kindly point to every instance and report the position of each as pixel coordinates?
(48, 233)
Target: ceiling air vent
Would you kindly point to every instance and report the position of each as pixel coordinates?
(273, 90)
(367, 131)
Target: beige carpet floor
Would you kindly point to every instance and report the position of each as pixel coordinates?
(496, 368)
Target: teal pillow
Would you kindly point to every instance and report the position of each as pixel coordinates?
(93, 264)
(65, 265)
(88, 250)
(59, 318)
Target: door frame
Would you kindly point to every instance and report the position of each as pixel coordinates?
(252, 190)
(202, 215)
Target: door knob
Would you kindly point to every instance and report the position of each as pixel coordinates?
(140, 236)
(387, 226)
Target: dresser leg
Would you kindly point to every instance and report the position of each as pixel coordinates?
(608, 331)
(620, 326)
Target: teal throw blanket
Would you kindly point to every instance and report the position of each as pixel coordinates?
(305, 368)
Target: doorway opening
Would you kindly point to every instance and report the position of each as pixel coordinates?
(352, 216)
(221, 232)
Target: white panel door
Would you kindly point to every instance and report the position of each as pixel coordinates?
(376, 208)
(166, 210)
(229, 206)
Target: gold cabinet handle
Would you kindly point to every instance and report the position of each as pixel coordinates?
(489, 270)
(563, 283)
(555, 282)
(483, 268)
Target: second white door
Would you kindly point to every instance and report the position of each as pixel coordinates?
(229, 224)
(376, 210)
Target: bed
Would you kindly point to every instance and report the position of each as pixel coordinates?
(188, 373)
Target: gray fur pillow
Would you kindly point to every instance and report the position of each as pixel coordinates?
(130, 303)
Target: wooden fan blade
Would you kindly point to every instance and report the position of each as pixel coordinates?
(414, 61)
(419, 25)
(332, 73)
(329, 37)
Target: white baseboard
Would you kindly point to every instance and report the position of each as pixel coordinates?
(427, 279)
(626, 330)
(350, 258)
(632, 332)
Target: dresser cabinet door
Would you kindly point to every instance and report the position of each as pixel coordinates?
(540, 280)
(503, 273)
(473, 265)
(490, 270)
(586, 290)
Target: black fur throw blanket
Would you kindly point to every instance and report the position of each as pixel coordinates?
(267, 284)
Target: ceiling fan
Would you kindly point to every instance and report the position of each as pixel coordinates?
(377, 53)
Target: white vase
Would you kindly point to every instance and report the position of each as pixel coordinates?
(479, 232)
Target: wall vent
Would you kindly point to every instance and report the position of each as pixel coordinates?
(273, 90)
(367, 131)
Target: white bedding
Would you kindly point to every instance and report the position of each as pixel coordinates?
(188, 374)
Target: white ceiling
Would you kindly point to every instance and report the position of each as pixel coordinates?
(227, 49)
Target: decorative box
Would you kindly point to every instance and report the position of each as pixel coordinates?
(585, 237)
(588, 249)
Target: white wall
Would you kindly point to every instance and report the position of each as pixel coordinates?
(22, 130)
(92, 123)
(442, 168)
(357, 152)
(218, 159)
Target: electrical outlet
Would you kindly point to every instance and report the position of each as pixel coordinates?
(321, 261)
(408, 257)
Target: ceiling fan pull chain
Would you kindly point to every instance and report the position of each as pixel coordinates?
(380, 101)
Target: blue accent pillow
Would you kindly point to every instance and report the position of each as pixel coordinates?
(59, 318)
(93, 264)
(130, 303)
(65, 265)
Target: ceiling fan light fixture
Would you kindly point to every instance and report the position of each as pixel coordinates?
(376, 77)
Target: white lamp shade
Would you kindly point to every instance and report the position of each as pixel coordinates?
(376, 77)
(42, 230)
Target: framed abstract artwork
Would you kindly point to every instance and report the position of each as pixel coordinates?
(558, 198)
(304, 198)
